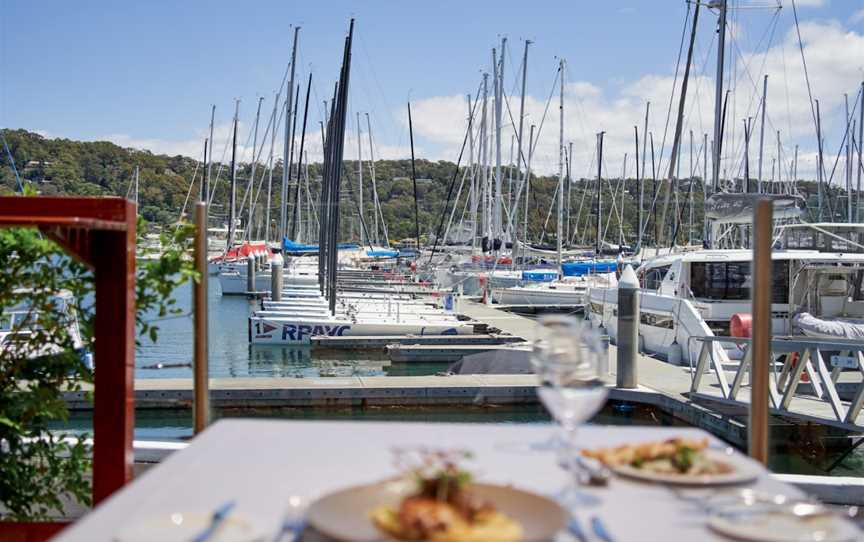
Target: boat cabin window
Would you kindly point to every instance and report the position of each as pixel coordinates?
(654, 277)
(731, 281)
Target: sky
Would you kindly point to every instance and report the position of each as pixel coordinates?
(144, 74)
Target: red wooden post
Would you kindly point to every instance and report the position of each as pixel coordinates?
(114, 401)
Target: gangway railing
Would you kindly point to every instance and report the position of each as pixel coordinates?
(800, 356)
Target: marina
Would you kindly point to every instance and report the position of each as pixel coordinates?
(342, 311)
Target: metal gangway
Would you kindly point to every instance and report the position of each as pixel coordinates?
(805, 375)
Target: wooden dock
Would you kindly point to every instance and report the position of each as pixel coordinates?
(357, 391)
(380, 341)
(429, 353)
(662, 385)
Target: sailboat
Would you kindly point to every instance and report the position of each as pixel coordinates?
(293, 323)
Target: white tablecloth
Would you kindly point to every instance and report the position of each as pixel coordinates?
(262, 463)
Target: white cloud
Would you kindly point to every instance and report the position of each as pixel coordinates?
(834, 60)
(857, 17)
(810, 3)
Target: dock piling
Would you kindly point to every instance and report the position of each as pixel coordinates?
(276, 278)
(628, 329)
(250, 274)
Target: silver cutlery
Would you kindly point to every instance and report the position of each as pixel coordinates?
(589, 470)
(595, 472)
(576, 530)
(216, 520)
(292, 526)
(600, 530)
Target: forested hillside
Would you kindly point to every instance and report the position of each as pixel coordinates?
(67, 167)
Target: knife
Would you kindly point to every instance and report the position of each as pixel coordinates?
(600, 530)
(216, 520)
(576, 530)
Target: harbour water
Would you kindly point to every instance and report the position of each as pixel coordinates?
(231, 355)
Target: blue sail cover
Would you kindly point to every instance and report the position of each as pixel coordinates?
(382, 253)
(291, 247)
(578, 269)
(539, 276)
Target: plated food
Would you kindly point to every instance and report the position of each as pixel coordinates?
(677, 461)
(672, 456)
(435, 499)
(444, 506)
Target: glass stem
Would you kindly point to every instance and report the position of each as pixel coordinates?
(572, 459)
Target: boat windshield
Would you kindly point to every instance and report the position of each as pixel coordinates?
(838, 239)
(731, 281)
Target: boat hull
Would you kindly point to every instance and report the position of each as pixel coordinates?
(300, 331)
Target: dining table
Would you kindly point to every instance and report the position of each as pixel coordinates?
(265, 467)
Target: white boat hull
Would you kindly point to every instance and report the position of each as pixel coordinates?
(300, 331)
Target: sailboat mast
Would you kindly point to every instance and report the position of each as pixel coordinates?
(568, 210)
(762, 134)
(270, 172)
(519, 158)
(204, 187)
(641, 195)
(528, 181)
(360, 177)
(718, 95)
(414, 181)
(499, 98)
(819, 170)
(376, 203)
(670, 184)
(232, 193)
(484, 145)
(472, 171)
(251, 189)
(848, 164)
(336, 166)
(298, 208)
(560, 232)
(283, 202)
(599, 191)
(643, 223)
(210, 151)
(860, 154)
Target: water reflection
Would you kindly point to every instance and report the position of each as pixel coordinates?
(231, 355)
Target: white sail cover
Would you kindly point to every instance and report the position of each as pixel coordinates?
(738, 208)
(845, 328)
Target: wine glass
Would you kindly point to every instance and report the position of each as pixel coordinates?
(567, 359)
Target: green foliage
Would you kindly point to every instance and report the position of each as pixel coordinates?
(43, 357)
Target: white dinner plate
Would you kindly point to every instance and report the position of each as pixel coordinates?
(778, 525)
(344, 515)
(184, 526)
(743, 470)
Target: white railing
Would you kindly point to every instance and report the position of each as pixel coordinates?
(800, 356)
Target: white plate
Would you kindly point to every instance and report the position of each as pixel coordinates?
(743, 470)
(344, 515)
(183, 526)
(785, 527)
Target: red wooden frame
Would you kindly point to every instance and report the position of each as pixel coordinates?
(100, 232)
